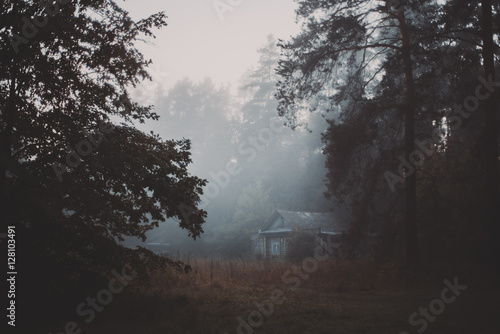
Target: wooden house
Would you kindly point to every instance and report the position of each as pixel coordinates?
(273, 239)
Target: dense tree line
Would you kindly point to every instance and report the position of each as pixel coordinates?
(409, 135)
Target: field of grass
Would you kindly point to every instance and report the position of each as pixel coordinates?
(336, 297)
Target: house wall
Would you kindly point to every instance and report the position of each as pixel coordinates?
(281, 241)
(278, 231)
(259, 246)
(278, 222)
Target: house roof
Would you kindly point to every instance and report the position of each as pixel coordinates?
(303, 220)
(277, 230)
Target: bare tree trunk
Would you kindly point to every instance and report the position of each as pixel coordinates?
(491, 133)
(411, 231)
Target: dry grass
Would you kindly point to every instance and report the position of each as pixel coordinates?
(329, 275)
(340, 296)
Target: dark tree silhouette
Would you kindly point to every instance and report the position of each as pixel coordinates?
(338, 60)
(71, 184)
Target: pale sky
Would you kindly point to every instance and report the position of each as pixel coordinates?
(197, 43)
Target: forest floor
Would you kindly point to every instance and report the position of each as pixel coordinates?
(336, 297)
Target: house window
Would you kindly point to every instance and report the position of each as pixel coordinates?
(275, 247)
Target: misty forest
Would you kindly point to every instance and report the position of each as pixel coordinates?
(340, 176)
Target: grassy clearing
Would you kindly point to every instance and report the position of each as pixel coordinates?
(339, 297)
